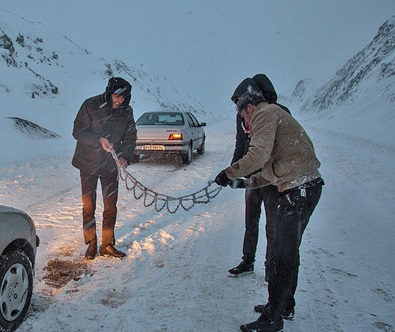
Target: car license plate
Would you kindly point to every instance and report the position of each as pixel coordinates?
(153, 147)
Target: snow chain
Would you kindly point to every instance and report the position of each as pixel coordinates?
(159, 201)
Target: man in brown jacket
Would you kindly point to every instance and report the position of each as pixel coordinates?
(103, 124)
(283, 151)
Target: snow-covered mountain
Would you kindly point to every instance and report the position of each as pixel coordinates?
(371, 72)
(360, 98)
(36, 63)
(303, 90)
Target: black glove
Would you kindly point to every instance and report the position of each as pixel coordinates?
(237, 183)
(221, 179)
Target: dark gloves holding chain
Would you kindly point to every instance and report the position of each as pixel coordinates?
(237, 183)
(221, 179)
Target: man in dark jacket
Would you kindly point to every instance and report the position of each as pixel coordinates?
(254, 197)
(104, 124)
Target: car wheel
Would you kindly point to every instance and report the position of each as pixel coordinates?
(16, 288)
(187, 157)
(202, 148)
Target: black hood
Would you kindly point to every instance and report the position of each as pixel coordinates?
(259, 82)
(248, 91)
(243, 88)
(266, 87)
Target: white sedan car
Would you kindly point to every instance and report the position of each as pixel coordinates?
(18, 245)
(170, 133)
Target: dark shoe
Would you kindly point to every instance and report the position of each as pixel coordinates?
(264, 309)
(263, 324)
(243, 267)
(90, 253)
(111, 251)
(288, 314)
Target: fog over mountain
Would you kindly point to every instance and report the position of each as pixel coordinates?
(32, 55)
(205, 48)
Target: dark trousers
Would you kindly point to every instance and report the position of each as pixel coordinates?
(109, 185)
(295, 209)
(253, 207)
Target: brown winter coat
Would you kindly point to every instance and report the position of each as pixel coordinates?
(281, 147)
(97, 119)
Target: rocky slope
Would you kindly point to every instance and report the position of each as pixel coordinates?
(371, 72)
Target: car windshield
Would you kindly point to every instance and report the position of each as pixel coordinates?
(161, 119)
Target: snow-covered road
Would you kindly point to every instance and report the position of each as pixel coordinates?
(174, 277)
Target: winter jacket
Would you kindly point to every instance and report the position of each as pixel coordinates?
(242, 140)
(97, 119)
(281, 147)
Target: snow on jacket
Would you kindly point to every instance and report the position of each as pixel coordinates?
(97, 119)
(280, 147)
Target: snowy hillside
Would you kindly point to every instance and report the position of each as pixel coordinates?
(174, 277)
(46, 63)
(365, 87)
(303, 90)
(43, 67)
(375, 64)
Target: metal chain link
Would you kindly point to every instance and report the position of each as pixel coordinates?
(160, 201)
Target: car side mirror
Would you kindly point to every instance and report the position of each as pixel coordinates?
(202, 124)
